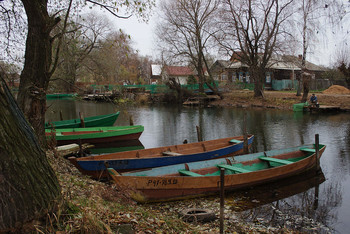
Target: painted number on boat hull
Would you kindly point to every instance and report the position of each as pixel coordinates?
(163, 182)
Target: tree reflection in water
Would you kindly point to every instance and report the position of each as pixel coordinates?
(293, 203)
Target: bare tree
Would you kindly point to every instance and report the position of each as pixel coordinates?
(79, 41)
(186, 29)
(311, 15)
(252, 32)
(40, 59)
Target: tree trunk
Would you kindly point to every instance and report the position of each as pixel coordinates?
(258, 76)
(28, 186)
(306, 78)
(36, 74)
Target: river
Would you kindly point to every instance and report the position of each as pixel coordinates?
(169, 125)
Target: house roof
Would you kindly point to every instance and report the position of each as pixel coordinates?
(179, 71)
(285, 62)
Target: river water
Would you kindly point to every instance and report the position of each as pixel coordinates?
(169, 125)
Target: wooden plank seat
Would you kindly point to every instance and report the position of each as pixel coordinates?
(234, 168)
(235, 141)
(169, 153)
(276, 160)
(189, 173)
(308, 150)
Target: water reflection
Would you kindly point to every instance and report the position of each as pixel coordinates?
(114, 147)
(273, 129)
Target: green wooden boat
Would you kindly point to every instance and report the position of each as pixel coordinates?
(60, 96)
(94, 135)
(92, 121)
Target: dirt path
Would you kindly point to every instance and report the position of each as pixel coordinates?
(279, 100)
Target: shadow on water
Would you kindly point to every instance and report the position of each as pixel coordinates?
(114, 147)
(292, 202)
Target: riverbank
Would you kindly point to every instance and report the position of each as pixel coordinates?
(90, 206)
(279, 100)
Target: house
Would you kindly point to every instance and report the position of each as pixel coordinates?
(161, 73)
(156, 74)
(281, 73)
(180, 73)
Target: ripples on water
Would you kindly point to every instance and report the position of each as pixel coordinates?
(169, 125)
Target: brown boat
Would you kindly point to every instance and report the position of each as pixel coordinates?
(95, 166)
(203, 178)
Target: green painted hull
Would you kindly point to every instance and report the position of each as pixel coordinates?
(92, 121)
(95, 135)
(60, 96)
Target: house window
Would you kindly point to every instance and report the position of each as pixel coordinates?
(247, 77)
(223, 77)
(268, 78)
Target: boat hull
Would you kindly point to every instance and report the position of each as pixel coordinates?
(173, 187)
(95, 135)
(92, 121)
(95, 166)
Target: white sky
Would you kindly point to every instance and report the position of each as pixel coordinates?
(321, 52)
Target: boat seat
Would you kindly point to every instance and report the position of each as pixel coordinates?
(234, 168)
(235, 141)
(189, 173)
(308, 150)
(169, 153)
(276, 160)
(58, 133)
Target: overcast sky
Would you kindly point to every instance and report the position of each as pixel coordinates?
(321, 52)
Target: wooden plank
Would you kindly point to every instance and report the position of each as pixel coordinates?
(276, 160)
(234, 168)
(235, 141)
(308, 150)
(189, 173)
(169, 153)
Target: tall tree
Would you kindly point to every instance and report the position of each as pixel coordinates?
(28, 185)
(40, 61)
(252, 32)
(81, 39)
(311, 17)
(186, 29)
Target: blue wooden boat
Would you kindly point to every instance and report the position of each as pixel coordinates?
(95, 166)
(202, 178)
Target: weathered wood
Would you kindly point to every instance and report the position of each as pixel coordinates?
(234, 168)
(169, 153)
(189, 173)
(308, 150)
(276, 160)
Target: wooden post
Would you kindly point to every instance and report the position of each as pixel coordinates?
(245, 135)
(199, 133)
(317, 154)
(61, 116)
(131, 121)
(82, 123)
(222, 199)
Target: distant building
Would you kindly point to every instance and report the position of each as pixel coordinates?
(156, 74)
(161, 73)
(281, 72)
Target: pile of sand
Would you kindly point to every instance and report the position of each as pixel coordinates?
(336, 89)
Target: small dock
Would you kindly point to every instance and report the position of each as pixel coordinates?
(196, 101)
(322, 108)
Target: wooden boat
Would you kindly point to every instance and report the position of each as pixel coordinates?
(95, 135)
(203, 178)
(95, 166)
(92, 121)
(60, 96)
